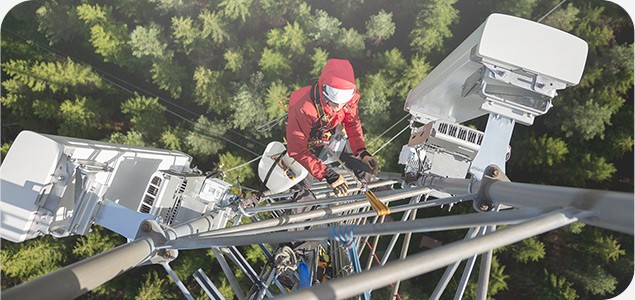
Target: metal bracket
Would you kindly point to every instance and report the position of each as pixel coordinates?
(152, 229)
(483, 201)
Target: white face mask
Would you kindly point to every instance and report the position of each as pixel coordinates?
(338, 96)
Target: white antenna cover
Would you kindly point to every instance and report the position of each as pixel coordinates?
(532, 56)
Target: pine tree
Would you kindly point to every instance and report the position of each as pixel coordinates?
(169, 75)
(185, 33)
(210, 90)
(322, 28)
(235, 9)
(80, 118)
(203, 139)
(432, 25)
(214, 26)
(147, 41)
(350, 43)
(380, 27)
(229, 161)
(146, 116)
(108, 37)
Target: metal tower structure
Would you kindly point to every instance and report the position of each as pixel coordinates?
(61, 186)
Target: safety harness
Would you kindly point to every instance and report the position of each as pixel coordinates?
(319, 134)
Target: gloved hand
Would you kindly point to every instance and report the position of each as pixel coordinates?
(368, 159)
(337, 182)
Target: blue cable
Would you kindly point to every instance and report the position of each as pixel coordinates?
(344, 235)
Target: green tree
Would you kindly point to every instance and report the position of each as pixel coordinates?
(277, 12)
(519, 8)
(380, 27)
(318, 59)
(234, 9)
(146, 115)
(165, 6)
(214, 26)
(234, 60)
(497, 281)
(57, 20)
(154, 287)
(33, 91)
(432, 25)
(290, 40)
(203, 139)
(249, 110)
(132, 138)
(171, 139)
(80, 118)
(108, 37)
(350, 43)
(245, 174)
(322, 28)
(374, 108)
(553, 151)
(415, 72)
(392, 65)
(169, 75)
(274, 63)
(99, 240)
(531, 249)
(563, 19)
(277, 99)
(556, 287)
(185, 33)
(31, 259)
(210, 89)
(146, 41)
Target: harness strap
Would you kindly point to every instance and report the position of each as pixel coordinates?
(323, 119)
(263, 186)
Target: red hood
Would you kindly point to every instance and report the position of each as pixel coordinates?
(338, 73)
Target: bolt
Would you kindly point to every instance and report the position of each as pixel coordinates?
(484, 206)
(495, 172)
(145, 227)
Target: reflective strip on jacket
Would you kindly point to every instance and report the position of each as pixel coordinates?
(303, 116)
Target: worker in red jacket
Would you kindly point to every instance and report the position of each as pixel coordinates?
(314, 113)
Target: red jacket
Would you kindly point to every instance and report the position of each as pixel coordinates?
(303, 116)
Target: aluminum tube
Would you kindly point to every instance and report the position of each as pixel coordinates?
(229, 274)
(614, 210)
(324, 190)
(484, 272)
(404, 252)
(374, 247)
(76, 279)
(289, 205)
(454, 186)
(178, 281)
(385, 197)
(365, 238)
(467, 271)
(451, 269)
(339, 218)
(203, 224)
(421, 225)
(393, 240)
(430, 260)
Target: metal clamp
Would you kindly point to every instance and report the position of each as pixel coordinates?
(483, 201)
